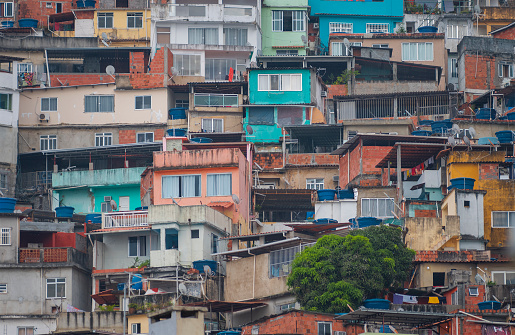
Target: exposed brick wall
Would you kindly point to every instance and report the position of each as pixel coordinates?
(336, 90)
(488, 171)
(126, 136)
(483, 77)
(309, 159)
(269, 160)
(370, 182)
(506, 34)
(371, 156)
(159, 134)
(343, 161)
(425, 213)
(137, 62)
(35, 9)
(80, 79)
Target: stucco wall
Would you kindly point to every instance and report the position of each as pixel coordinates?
(116, 249)
(233, 122)
(9, 253)
(423, 233)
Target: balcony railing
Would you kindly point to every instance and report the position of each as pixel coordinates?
(216, 100)
(125, 219)
(52, 255)
(34, 181)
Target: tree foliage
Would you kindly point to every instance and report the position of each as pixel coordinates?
(339, 271)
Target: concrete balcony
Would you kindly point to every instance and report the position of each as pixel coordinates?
(124, 219)
(160, 258)
(190, 159)
(97, 177)
(53, 255)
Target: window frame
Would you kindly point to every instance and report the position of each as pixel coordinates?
(197, 233)
(25, 328)
(507, 216)
(240, 32)
(103, 139)
(56, 283)
(409, 59)
(137, 330)
(456, 31)
(27, 66)
(58, 7)
(181, 71)
(147, 133)
(9, 101)
(341, 27)
(474, 294)
(313, 183)
(3, 181)
(203, 35)
(212, 121)
(138, 238)
(5, 236)
(133, 16)
(504, 273)
(3, 288)
(341, 46)
(208, 194)
(500, 70)
(297, 19)
(199, 176)
(387, 200)
(48, 139)
(105, 18)
(381, 28)
(98, 103)
(11, 6)
(49, 104)
(454, 68)
(280, 82)
(145, 100)
(324, 323)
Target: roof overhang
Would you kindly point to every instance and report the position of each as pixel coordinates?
(284, 199)
(226, 306)
(263, 249)
(319, 134)
(379, 316)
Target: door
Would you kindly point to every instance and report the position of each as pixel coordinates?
(124, 204)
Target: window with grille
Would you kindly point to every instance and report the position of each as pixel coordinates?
(377, 207)
(135, 20)
(280, 261)
(379, 45)
(3, 181)
(377, 28)
(99, 104)
(182, 103)
(288, 20)
(55, 288)
(143, 102)
(185, 186)
(315, 183)
(503, 219)
(49, 104)
(417, 51)
(8, 9)
(103, 139)
(340, 27)
(145, 137)
(324, 328)
(3, 288)
(339, 48)
(213, 125)
(187, 65)
(289, 116)
(5, 236)
(47, 142)
(105, 20)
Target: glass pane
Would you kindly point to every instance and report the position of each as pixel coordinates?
(90, 104)
(499, 278)
(274, 82)
(53, 104)
(421, 51)
(170, 187)
(511, 219)
(499, 219)
(413, 51)
(133, 246)
(45, 104)
(139, 103)
(405, 51)
(261, 115)
(142, 246)
(429, 51)
(296, 82)
(263, 82)
(285, 83)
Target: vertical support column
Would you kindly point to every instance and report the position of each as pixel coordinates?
(395, 108)
(394, 71)
(388, 183)
(360, 156)
(399, 175)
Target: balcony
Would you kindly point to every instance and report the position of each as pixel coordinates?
(104, 177)
(159, 258)
(53, 255)
(213, 12)
(38, 181)
(216, 100)
(124, 219)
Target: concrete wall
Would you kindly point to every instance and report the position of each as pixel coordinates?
(43, 324)
(485, 128)
(381, 87)
(120, 29)
(115, 253)
(341, 210)
(36, 43)
(471, 216)
(375, 192)
(424, 233)
(97, 177)
(9, 253)
(142, 319)
(100, 321)
(233, 122)
(280, 97)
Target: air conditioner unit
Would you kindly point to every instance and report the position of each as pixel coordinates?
(44, 117)
(339, 332)
(315, 25)
(324, 93)
(336, 178)
(108, 198)
(266, 186)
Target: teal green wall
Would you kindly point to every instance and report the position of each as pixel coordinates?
(103, 177)
(283, 38)
(133, 191)
(279, 97)
(413, 208)
(267, 133)
(79, 198)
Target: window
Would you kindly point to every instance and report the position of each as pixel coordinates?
(466, 203)
(137, 246)
(163, 35)
(214, 244)
(213, 125)
(182, 104)
(454, 68)
(324, 328)
(417, 51)
(58, 8)
(103, 139)
(288, 20)
(187, 65)
(181, 186)
(8, 9)
(48, 5)
(25, 330)
(379, 45)
(261, 115)
(203, 36)
(377, 28)
(280, 82)
(219, 69)
(339, 48)
(49, 104)
(286, 307)
(377, 207)
(195, 233)
(135, 20)
(144, 102)
(235, 36)
(55, 288)
(47, 142)
(473, 291)
(3, 181)
(24, 67)
(286, 52)
(505, 70)
(289, 116)
(438, 278)
(5, 236)
(3, 288)
(315, 183)
(340, 27)
(99, 104)
(219, 184)
(171, 239)
(503, 277)
(105, 20)
(503, 219)
(456, 31)
(215, 100)
(136, 328)
(351, 134)
(144, 137)
(280, 261)
(6, 101)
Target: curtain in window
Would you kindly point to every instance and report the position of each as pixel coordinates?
(336, 49)
(211, 36)
(170, 186)
(261, 115)
(218, 184)
(190, 186)
(218, 125)
(106, 104)
(405, 51)
(263, 83)
(90, 104)
(195, 36)
(235, 36)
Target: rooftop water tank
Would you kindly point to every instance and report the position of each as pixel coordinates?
(462, 183)
(326, 194)
(7, 205)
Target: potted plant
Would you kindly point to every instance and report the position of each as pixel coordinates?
(132, 308)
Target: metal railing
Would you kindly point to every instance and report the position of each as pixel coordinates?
(281, 260)
(53, 255)
(34, 181)
(216, 100)
(125, 219)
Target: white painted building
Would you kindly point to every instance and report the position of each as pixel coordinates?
(207, 38)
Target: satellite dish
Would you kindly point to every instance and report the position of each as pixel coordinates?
(104, 36)
(110, 70)
(250, 131)
(182, 288)
(174, 71)
(455, 129)
(472, 132)
(466, 140)
(346, 42)
(304, 39)
(114, 206)
(477, 9)
(451, 141)
(207, 270)
(236, 199)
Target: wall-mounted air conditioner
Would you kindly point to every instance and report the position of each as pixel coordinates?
(44, 117)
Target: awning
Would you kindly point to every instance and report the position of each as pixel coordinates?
(223, 204)
(217, 306)
(392, 317)
(263, 249)
(284, 199)
(311, 228)
(325, 135)
(61, 17)
(105, 298)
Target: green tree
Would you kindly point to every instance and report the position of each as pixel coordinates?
(339, 271)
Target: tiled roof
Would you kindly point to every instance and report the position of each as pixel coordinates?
(288, 46)
(224, 204)
(433, 256)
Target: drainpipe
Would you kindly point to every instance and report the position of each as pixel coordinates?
(47, 70)
(253, 275)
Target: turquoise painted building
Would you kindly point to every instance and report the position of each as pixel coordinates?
(356, 17)
(284, 26)
(87, 190)
(280, 97)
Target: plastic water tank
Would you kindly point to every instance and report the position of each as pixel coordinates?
(463, 183)
(179, 132)
(177, 113)
(7, 205)
(326, 194)
(377, 303)
(64, 212)
(421, 133)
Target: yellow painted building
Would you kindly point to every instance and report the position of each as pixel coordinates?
(493, 18)
(123, 27)
(138, 324)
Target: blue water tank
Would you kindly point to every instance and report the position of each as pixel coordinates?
(94, 218)
(137, 282)
(367, 221)
(27, 23)
(485, 114)
(201, 140)
(425, 122)
(441, 127)
(510, 116)
(462, 183)
(64, 212)
(505, 136)
(199, 265)
(7, 205)
(492, 304)
(488, 140)
(178, 132)
(7, 24)
(377, 303)
(325, 221)
(427, 29)
(177, 113)
(421, 133)
(345, 194)
(326, 194)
